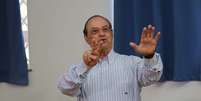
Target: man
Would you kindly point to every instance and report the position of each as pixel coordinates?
(104, 75)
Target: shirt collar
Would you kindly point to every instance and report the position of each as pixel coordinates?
(109, 57)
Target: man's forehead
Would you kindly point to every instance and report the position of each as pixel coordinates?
(97, 22)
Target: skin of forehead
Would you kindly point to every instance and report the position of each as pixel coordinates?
(96, 20)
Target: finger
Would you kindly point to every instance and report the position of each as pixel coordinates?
(150, 31)
(94, 44)
(142, 37)
(89, 59)
(157, 36)
(86, 59)
(149, 26)
(145, 31)
(98, 48)
(95, 52)
(153, 28)
(92, 57)
(85, 56)
(133, 45)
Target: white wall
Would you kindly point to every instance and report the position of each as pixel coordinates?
(56, 41)
(173, 91)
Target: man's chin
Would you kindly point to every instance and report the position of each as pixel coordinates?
(104, 48)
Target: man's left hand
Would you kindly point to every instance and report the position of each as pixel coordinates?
(148, 42)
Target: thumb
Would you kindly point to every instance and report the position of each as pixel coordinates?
(157, 37)
(133, 45)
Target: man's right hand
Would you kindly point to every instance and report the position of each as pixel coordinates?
(91, 57)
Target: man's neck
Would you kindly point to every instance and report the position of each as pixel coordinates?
(105, 52)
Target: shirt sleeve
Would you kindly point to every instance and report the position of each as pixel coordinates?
(149, 71)
(70, 82)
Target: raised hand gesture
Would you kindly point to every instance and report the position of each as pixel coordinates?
(148, 42)
(91, 57)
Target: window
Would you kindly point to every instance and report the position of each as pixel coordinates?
(24, 21)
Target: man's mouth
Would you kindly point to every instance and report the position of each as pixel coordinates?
(103, 40)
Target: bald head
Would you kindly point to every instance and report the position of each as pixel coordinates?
(85, 31)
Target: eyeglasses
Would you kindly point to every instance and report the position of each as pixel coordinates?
(97, 30)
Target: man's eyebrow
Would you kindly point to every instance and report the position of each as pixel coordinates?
(98, 27)
(94, 28)
(105, 26)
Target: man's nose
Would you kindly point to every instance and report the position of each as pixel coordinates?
(102, 33)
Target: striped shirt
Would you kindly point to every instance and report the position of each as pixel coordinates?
(114, 78)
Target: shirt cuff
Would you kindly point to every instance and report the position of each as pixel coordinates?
(153, 61)
(82, 72)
